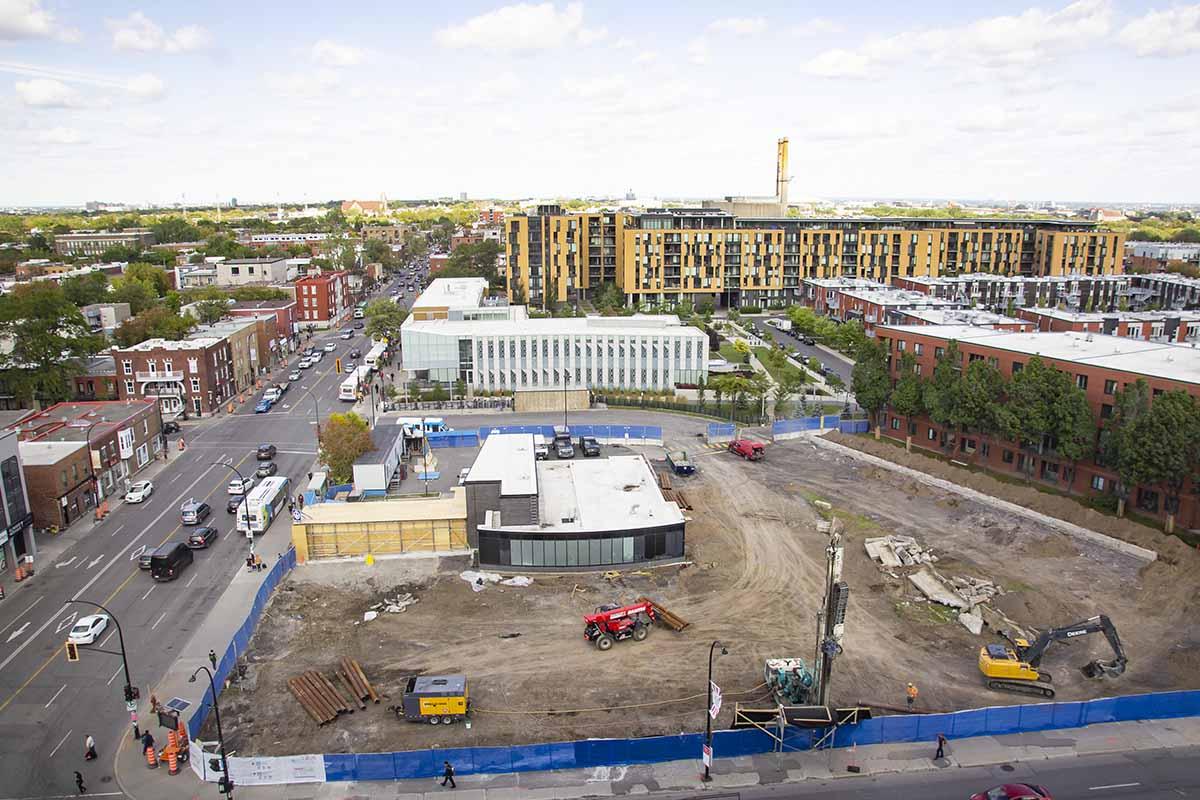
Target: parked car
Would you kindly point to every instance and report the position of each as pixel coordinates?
(169, 427)
(305, 363)
(193, 513)
(1014, 791)
(232, 505)
(356, 353)
(262, 406)
(330, 347)
(201, 538)
(589, 446)
(240, 485)
(139, 491)
(88, 629)
(563, 449)
(358, 326)
(747, 449)
(810, 341)
(266, 452)
(294, 375)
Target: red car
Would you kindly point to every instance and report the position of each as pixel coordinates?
(747, 449)
(1014, 791)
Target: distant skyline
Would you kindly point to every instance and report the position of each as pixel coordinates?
(1004, 101)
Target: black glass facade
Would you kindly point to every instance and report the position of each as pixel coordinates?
(532, 549)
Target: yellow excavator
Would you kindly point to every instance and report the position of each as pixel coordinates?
(1018, 668)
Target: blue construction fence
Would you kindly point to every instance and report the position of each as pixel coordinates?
(719, 432)
(729, 744)
(605, 434)
(440, 439)
(790, 428)
(241, 639)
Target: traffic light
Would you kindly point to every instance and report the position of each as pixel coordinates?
(72, 651)
(337, 365)
(224, 784)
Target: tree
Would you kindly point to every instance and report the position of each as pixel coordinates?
(158, 322)
(743, 349)
(83, 290)
(684, 309)
(154, 277)
(1074, 425)
(719, 386)
(849, 337)
(384, 319)
(1131, 406)
(344, 437)
(210, 311)
(870, 380)
(1028, 415)
(175, 229)
(791, 383)
(49, 337)
(609, 299)
(137, 293)
(220, 244)
(756, 387)
(942, 392)
(906, 395)
(979, 401)
(701, 392)
(377, 251)
(120, 252)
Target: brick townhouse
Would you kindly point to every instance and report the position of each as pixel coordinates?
(284, 311)
(323, 299)
(1100, 365)
(187, 377)
(1156, 326)
(123, 436)
(253, 344)
(59, 481)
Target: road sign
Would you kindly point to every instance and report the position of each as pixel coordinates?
(707, 756)
(715, 708)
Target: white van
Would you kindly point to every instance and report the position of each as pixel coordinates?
(540, 451)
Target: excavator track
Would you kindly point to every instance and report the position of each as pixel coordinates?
(1035, 688)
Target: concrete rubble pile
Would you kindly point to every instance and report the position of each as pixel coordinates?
(898, 551)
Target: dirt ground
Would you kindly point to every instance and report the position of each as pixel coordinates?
(754, 583)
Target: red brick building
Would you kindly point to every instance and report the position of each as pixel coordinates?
(322, 300)
(187, 377)
(284, 311)
(461, 238)
(1100, 365)
(1155, 326)
(491, 216)
(437, 261)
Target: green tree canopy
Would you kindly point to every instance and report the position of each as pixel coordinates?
(49, 337)
(210, 311)
(83, 290)
(153, 323)
(137, 293)
(942, 393)
(384, 319)
(906, 396)
(175, 229)
(344, 437)
(870, 381)
(151, 275)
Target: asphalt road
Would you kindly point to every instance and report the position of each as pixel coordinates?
(47, 704)
(836, 363)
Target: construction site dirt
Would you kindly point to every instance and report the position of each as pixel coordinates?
(754, 582)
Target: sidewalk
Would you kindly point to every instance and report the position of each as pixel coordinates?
(746, 771)
(218, 629)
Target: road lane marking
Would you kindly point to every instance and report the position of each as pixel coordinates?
(60, 743)
(26, 611)
(56, 694)
(148, 591)
(1112, 786)
(189, 583)
(160, 619)
(136, 554)
(111, 634)
(94, 561)
(66, 623)
(118, 529)
(65, 563)
(18, 632)
(114, 676)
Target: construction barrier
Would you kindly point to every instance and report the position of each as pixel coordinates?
(720, 432)
(439, 439)
(856, 426)
(784, 429)
(604, 434)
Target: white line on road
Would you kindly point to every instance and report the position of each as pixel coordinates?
(160, 619)
(26, 611)
(1112, 786)
(67, 622)
(107, 638)
(117, 530)
(148, 591)
(81, 561)
(17, 632)
(114, 676)
(56, 694)
(94, 561)
(60, 743)
(137, 553)
(190, 580)
(65, 563)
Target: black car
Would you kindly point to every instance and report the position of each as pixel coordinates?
(808, 340)
(201, 538)
(589, 446)
(170, 426)
(266, 452)
(266, 470)
(358, 326)
(148, 555)
(231, 506)
(356, 353)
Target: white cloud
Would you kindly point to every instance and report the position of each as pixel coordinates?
(506, 84)
(645, 58)
(523, 27)
(146, 86)
(303, 83)
(738, 26)
(46, 93)
(697, 50)
(62, 136)
(818, 26)
(1173, 32)
(139, 33)
(330, 53)
(1030, 38)
(591, 35)
(624, 43)
(591, 88)
(26, 19)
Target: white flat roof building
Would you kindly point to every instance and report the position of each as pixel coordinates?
(618, 493)
(637, 352)
(462, 299)
(509, 459)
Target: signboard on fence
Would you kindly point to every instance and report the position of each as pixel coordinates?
(274, 770)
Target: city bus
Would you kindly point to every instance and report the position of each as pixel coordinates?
(349, 388)
(375, 355)
(267, 501)
(423, 424)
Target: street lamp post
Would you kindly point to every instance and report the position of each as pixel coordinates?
(317, 415)
(87, 435)
(131, 693)
(227, 788)
(708, 709)
(244, 506)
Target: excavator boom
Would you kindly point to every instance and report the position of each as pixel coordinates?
(1018, 669)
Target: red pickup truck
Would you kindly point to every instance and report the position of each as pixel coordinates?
(747, 449)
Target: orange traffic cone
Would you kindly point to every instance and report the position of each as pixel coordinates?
(172, 753)
(183, 737)
(151, 758)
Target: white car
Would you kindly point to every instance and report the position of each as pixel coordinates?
(462, 475)
(88, 629)
(305, 363)
(294, 375)
(329, 348)
(316, 357)
(139, 491)
(239, 486)
(350, 367)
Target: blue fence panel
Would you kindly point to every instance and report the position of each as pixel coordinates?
(855, 426)
(1002, 719)
(1037, 718)
(832, 420)
(339, 767)
(930, 725)
(654, 432)
(375, 767)
(970, 723)
(1102, 710)
(582, 430)
(662, 748)
(531, 758)
(812, 423)
(332, 491)
(596, 752)
(494, 759)
(899, 728)
(562, 755)
(867, 732)
(730, 744)
(1067, 715)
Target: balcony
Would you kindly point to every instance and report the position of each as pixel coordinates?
(163, 391)
(143, 377)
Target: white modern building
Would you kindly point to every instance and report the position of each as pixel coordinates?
(648, 352)
(462, 299)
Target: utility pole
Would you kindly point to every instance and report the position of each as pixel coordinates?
(831, 619)
(131, 691)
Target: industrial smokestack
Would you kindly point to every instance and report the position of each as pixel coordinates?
(781, 173)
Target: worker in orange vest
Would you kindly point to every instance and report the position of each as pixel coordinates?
(911, 693)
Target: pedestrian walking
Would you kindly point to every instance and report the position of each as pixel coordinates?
(212, 658)
(89, 748)
(911, 695)
(941, 750)
(147, 741)
(79, 782)
(448, 775)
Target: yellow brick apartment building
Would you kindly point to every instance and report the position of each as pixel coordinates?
(666, 255)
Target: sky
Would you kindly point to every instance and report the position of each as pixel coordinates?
(170, 102)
